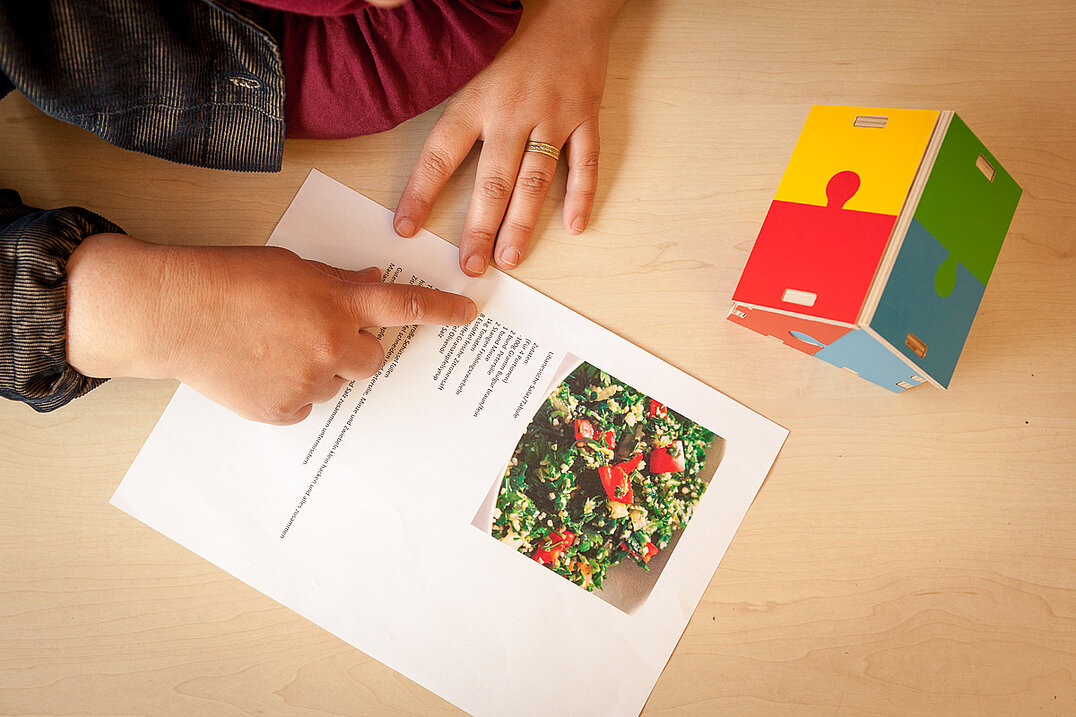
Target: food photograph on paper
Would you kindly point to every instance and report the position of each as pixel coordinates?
(601, 485)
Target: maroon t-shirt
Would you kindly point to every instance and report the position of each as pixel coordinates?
(351, 68)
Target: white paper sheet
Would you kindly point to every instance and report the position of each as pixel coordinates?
(363, 517)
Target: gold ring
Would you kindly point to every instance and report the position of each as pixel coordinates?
(543, 148)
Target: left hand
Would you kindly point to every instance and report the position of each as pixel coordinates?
(545, 86)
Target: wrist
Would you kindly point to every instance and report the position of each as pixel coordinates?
(121, 313)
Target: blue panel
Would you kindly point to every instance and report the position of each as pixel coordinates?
(861, 352)
(911, 311)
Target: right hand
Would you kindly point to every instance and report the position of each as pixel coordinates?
(257, 329)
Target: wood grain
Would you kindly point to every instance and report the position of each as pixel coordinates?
(908, 555)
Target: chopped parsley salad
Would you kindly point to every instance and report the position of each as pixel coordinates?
(603, 474)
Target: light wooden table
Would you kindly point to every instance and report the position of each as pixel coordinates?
(909, 554)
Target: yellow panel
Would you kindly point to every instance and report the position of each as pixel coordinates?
(886, 158)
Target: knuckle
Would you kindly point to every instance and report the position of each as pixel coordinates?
(518, 228)
(534, 182)
(416, 306)
(436, 164)
(275, 403)
(479, 237)
(274, 412)
(290, 418)
(495, 187)
(585, 195)
(325, 351)
(417, 200)
(283, 418)
(586, 162)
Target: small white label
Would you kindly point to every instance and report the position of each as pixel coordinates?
(735, 311)
(904, 384)
(803, 298)
(872, 121)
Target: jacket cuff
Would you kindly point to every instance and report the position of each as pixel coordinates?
(34, 248)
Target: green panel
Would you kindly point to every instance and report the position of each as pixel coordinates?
(967, 213)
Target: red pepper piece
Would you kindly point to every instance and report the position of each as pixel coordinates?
(584, 429)
(552, 546)
(650, 548)
(616, 484)
(609, 439)
(631, 465)
(668, 459)
(657, 410)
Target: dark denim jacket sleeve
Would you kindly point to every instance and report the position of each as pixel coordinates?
(34, 248)
(193, 81)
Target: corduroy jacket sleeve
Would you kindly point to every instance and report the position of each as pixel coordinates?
(34, 247)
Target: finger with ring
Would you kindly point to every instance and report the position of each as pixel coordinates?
(543, 148)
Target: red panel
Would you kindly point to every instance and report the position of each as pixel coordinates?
(782, 326)
(829, 251)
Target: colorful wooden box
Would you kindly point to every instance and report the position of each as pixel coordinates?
(879, 243)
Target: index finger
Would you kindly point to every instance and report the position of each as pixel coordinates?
(403, 304)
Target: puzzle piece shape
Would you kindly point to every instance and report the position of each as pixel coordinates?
(861, 353)
(967, 205)
(816, 260)
(799, 333)
(887, 157)
(912, 315)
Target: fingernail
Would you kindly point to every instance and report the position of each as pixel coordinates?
(405, 226)
(475, 264)
(471, 313)
(579, 224)
(510, 257)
